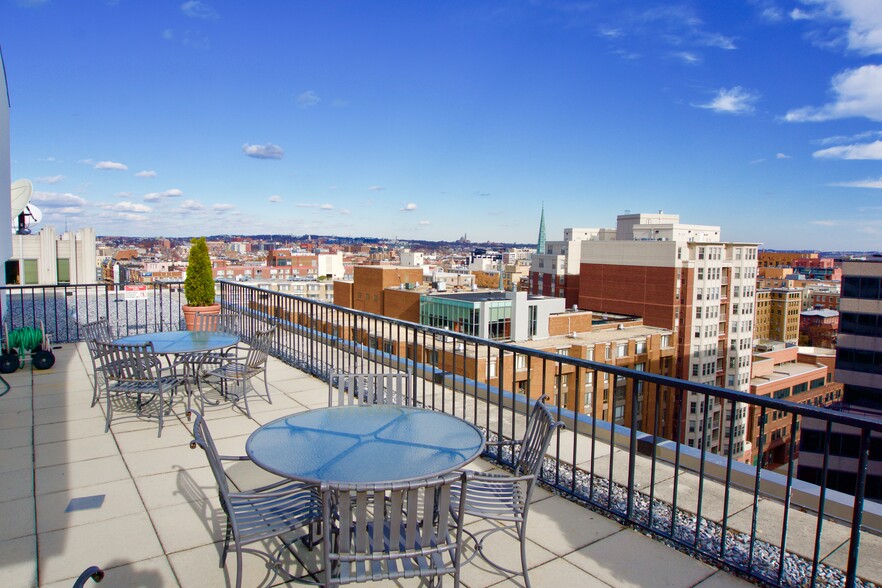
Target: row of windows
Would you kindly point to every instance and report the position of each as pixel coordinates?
(842, 481)
(842, 444)
(862, 287)
(859, 360)
(860, 324)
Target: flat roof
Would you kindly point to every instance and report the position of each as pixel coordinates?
(594, 337)
(784, 371)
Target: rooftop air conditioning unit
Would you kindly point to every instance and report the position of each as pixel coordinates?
(572, 335)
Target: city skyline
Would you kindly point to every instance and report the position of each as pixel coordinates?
(432, 121)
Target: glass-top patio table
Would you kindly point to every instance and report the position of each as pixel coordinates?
(173, 342)
(364, 444)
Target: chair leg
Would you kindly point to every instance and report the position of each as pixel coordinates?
(245, 397)
(109, 411)
(522, 537)
(238, 567)
(266, 385)
(223, 557)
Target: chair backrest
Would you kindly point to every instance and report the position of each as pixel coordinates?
(259, 349)
(202, 438)
(380, 388)
(217, 322)
(392, 530)
(134, 363)
(97, 331)
(540, 429)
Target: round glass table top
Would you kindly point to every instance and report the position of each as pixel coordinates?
(364, 444)
(182, 341)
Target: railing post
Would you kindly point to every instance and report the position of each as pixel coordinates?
(854, 544)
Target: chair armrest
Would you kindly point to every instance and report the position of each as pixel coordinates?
(234, 458)
(501, 443)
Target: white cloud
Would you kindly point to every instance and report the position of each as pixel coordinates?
(147, 173)
(717, 40)
(409, 207)
(222, 207)
(868, 183)
(268, 151)
(123, 195)
(192, 205)
(306, 205)
(858, 151)
(735, 100)
(345, 211)
(425, 222)
(327, 207)
(170, 193)
(610, 32)
(687, 57)
(307, 99)
(130, 207)
(50, 179)
(863, 18)
(198, 9)
(376, 188)
(56, 200)
(782, 156)
(275, 198)
(111, 165)
(168, 34)
(858, 93)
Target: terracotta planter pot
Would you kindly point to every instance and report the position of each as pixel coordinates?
(190, 313)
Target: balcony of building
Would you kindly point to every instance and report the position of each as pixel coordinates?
(619, 507)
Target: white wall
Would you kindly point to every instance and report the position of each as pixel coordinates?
(5, 171)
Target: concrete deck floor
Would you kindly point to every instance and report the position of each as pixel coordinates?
(160, 523)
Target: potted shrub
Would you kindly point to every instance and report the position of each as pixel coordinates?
(199, 285)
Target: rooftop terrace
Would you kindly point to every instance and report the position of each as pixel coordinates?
(160, 521)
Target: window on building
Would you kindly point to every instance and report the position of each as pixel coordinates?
(521, 362)
(30, 271)
(622, 350)
(63, 267)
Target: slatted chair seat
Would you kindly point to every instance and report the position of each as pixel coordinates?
(261, 515)
(497, 497)
(253, 516)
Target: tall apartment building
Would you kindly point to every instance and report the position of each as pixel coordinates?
(555, 272)
(859, 344)
(683, 278)
(777, 314)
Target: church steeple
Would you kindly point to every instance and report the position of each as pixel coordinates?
(540, 246)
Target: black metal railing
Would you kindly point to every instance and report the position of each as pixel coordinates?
(764, 524)
(129, 308)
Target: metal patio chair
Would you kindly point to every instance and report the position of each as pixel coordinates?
(237, 369)
(259, 514)
(380, 388)
(98, 330)
(390, 531)
(193, 363)
(504, 498)
(136, 372)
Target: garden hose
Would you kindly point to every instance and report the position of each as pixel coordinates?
(27, 338)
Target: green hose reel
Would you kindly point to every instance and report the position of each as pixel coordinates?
(17, 343)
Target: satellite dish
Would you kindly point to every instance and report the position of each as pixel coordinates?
(34, 213)
(21, 194)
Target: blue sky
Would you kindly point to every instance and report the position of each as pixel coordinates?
(436, 119)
